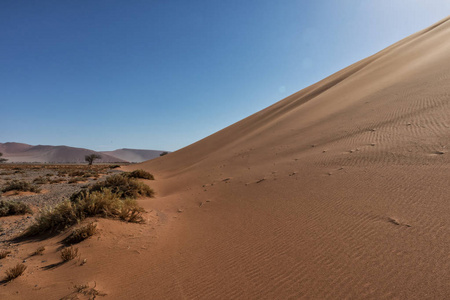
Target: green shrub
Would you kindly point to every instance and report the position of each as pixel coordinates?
(10, 208)
(20, 185)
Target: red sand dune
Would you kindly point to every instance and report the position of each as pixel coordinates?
(339, 191)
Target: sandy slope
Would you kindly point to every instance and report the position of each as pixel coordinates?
(339, 191)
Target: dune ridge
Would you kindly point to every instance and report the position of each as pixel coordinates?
(339, 191)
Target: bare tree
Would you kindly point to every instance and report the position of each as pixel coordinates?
(91, 157)
(2, 159)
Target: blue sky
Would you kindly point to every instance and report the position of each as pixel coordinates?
(163, 74)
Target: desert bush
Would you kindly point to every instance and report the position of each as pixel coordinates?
(126, 187)
(54, 219)
(4, 253)
(80, 234)
(69, 253)
(131, 212)
(114, 166)
(20, 185)
(86, 204)
(163, 153)
(41, 180)
(10, 208)
(39, 251)
(75, 180)
(15, 272)
(139, 174)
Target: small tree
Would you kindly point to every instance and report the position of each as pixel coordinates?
(91, 157)
(2, 159)
(163, 153)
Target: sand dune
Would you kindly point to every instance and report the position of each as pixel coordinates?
(339, 191)
(134, 155)
(17, 152)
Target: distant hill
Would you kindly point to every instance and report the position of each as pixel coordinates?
(17, 152)
(134, 155)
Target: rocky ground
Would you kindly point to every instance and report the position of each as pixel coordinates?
(57, 182)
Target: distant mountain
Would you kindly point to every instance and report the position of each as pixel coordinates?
(17, 152)
(134, 155)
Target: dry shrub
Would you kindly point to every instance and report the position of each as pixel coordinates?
(82, 233)
(131, 212)
(69, 253)
(39, 251)
(15, 272)
(10, 208)
(4, 253)
(41, 180)
(139, 174)
(126, 187)
(86, 204)
(54, 219)
(75, 180)
(20, 185)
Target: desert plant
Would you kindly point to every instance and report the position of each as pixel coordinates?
(103, 203)
(163, 153)
(4, 253)
(39, 251)
(69, 253)
(2, 160)
(15, 272)
(10, 208)
(81, 234)
(131, 212)
(114, 166)
(41, 180)
(139, 174)
(124, 186)
(20, 185)
(54, 219)
(91, 158)
(75, 180)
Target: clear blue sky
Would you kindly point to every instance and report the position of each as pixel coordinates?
(163, 74)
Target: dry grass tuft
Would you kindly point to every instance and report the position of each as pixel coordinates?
(15, 272)
(39, 251)
(82, 233)
(4, 253)
(69, 253)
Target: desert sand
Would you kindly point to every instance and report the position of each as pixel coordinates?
(339, 191)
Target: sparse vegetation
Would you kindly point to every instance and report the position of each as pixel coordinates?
(114, 166)
(20, 185)
(139, 174)
(75, 180)
(69, 253)
(91, 158)
(4, 253)
(2, 160)
(10, 208)
(125, 186)
(39, 251)
(163, 153)
(82, 205)
(15, 272)
(41, 180)
(80, 234)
